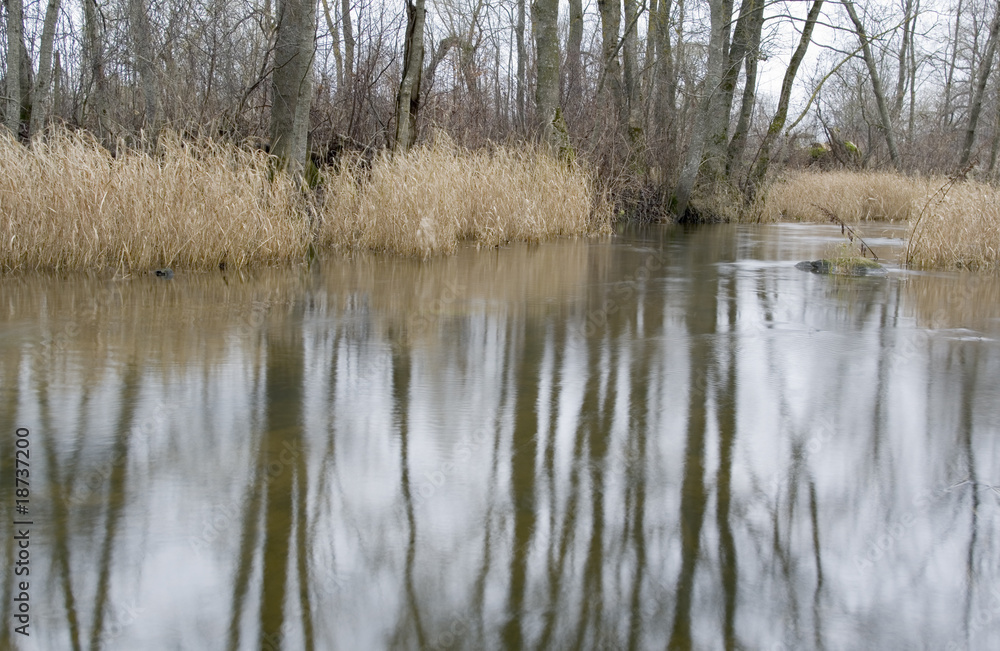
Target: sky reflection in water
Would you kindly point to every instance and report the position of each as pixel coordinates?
(672, 438)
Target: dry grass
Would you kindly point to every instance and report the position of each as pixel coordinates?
(852, 196)
(960, 230)
(66, 204)
(950, 227)
(431, 199)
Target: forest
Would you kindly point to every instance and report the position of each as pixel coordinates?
(681, 111)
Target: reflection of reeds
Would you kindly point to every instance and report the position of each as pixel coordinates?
(66, 203)
(960, 229)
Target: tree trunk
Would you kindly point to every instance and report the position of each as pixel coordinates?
(40, 94)
(630, 59)
(883, 108)
(143, 46)
(611, 75)
(408, 98)
(778, 121)
(95, 93)
(952, 64)
(15, 32)
(976, 106)
(349, 62)
(544, 25)
(522, 62)
(338, 57)
(994, 146)
(902, 78)
(751, 45)
(716, 61)
(716, 154)
(574, 56)
(291, 83)
(664, 93)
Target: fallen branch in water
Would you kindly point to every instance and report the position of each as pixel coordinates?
(847, 230)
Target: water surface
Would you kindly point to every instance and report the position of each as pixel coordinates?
(670, 438)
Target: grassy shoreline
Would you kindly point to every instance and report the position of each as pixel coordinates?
(67, 205)
(953, 224)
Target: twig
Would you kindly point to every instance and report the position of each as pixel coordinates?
(847, 230)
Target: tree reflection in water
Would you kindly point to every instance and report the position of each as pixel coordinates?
(673, 439)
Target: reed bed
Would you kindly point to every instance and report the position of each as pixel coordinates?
(960, 229)
(953, 223)
(852, 196)
(439, 195)
(67, 204)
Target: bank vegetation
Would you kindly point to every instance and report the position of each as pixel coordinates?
(953, 222)
(664, 106)
(67, 204)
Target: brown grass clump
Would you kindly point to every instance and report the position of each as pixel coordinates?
(67, 204)
(959, 230)
(852, 196)
(427, 201)
(954, 223)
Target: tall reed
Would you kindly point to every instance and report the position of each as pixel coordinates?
(67, 204)
(960, 230)
(429, 200)
(954, 223)
(852, 196)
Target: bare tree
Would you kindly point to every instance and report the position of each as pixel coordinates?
(763, 163)
(40, 94)
(15, 37)
(873, 74)
(291, 82)
(408, 98)
(976, 105)
(143, 52)
(716, 61)
(544, 23)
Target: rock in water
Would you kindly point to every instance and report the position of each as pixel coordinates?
(843, 267)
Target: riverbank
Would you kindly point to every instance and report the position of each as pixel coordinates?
(953, 223)
(67, 204)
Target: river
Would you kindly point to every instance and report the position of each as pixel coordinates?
(667, 438)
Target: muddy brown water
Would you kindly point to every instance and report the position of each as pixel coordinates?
(668, 438)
